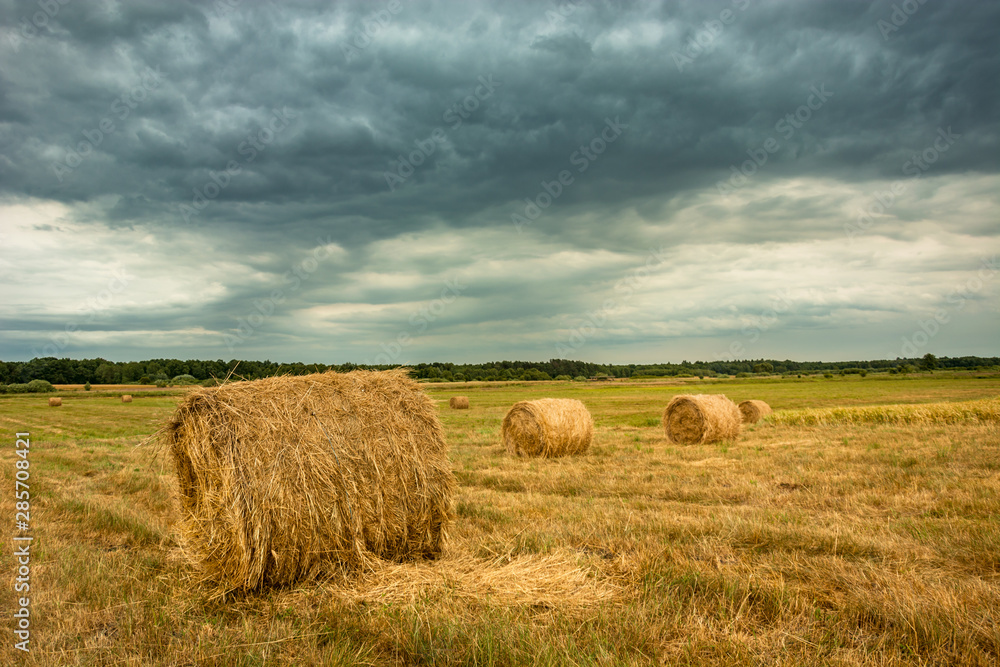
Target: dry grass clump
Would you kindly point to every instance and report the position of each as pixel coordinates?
(552, 581)
(459, 402)
(547, 427)
(286, 478)
(699, 419)
(55, 402)
(126, 398)
(753, 411)
(984, 410)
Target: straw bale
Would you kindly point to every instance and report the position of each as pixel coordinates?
(289, 478)
(547, 427)
(701, 419)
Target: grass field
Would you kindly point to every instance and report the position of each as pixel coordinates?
(854, 543)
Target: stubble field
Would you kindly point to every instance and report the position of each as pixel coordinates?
(837, 542)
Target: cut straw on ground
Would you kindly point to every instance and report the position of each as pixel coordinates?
(986, 410)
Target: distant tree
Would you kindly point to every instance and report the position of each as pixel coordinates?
(765, 367)
(107, 374)
(929, 362)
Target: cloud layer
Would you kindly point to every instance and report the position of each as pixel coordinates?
(408, 181)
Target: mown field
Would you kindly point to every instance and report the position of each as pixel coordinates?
(838, 543)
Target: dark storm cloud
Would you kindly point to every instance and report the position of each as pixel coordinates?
(559, 74)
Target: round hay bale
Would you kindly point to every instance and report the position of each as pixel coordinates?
(287, 478)
(547, 427)
(459, 402)
(55, 402)
(126, 398)
(705, 418)
(753, 411)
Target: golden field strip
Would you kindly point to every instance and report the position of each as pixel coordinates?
(859, 525)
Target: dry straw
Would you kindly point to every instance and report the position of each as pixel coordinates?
(981, 411)
(289, 478)
(547, 427)
(753, 411)
(701, 419)
(55, 402)
(459, 402)
(552, 581)
(126, 398)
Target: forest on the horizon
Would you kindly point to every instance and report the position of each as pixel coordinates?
(176, 371)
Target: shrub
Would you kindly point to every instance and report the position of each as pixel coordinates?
(144, 379)
(742, 375)
(40, 386)
(579, 378)
(210, 382)
(828, 375)
(564, 377)
(86, 386)
(161, 383)
(863, 372)
(184, 379)
(17, 388)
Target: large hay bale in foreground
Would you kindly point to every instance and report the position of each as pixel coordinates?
(286, 478)
(55, 402)
(705, 418)
(459, 402)
(753, 411)
(547, 427)
(126, 398)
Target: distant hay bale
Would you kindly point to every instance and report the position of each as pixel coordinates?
(287, 478)
(753, 411)
(55, 402)
(547, 427)
(126, 398)
(459, 402)
(701, 419)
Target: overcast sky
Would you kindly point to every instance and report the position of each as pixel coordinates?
(398, 182)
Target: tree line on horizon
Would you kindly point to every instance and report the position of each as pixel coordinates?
(154, 371)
